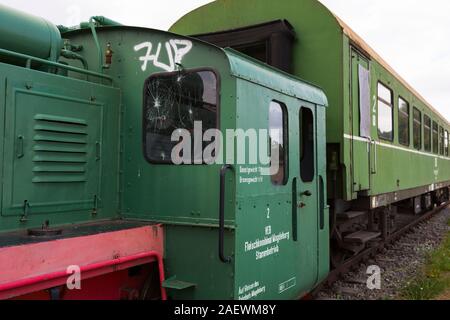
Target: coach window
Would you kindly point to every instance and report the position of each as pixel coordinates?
(441, 141)
(417, 129)
(446, 143)
(403, 122)
(427, 133)
(385, 114)
(435, 138)
(307, 145)
(278, 141)
(173, 102)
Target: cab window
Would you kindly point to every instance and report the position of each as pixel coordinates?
(307, 158)
(175, 101)
(278, 130)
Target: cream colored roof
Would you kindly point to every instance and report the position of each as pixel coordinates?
(364, 46)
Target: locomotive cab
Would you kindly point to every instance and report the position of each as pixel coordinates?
(218, 211)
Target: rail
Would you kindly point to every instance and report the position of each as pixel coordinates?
(29, 59)
(334, 275)
(223, 173)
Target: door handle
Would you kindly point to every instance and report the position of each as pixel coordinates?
(307, 193)
(375, 164)
(19, 147)
(223, 173)
(294, 211)
(301, 205)
(97, 151)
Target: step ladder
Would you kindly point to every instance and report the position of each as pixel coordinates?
(351, 215)
(361, 237)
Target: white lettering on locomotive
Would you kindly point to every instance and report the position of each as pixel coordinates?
(175, 49)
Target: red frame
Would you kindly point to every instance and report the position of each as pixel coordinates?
(31, 268)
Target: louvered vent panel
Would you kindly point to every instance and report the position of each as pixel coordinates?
(60, 149)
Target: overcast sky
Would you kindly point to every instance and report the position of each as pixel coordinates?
(411, 35)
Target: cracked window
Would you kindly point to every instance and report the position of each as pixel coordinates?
(177, 101)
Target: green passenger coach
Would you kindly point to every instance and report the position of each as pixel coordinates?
(377, 124)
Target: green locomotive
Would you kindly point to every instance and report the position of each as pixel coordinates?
(90, 186)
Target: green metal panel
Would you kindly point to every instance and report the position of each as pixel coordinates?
(55, 151)
(267, 215)
(266, 212)
(323, 208)
(2, 128)
(252, 70)
(60, 149)
(191, 256)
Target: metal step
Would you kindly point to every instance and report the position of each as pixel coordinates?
(362, 237)
(350, 215)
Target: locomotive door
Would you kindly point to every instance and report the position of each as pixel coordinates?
(360, 121)
(305, 194)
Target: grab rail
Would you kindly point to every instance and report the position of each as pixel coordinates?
(29, 59)
(223, 173)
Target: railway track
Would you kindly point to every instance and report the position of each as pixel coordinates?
(385, 252)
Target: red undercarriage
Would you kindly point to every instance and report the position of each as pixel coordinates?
(113, 265)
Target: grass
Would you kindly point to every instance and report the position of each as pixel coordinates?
(434, 279)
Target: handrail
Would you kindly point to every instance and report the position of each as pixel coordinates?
(97, 43)
(101, 21)
(29, 59)
(223, 173)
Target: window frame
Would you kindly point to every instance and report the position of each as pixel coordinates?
(430, 127)
(408, 144)
(218, 111)
(446, 145)
(302, 145)
(391, 105)
(435, 145)
(441, 140)
(420, 129)
(285, 112)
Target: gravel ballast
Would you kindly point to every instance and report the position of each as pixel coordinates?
(399, 263)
